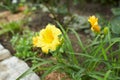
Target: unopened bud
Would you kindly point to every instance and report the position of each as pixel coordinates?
(105, 30)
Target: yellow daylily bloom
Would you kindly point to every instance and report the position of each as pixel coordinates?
(93, 20)
(94, 24)
(49, 38)
(95, 28)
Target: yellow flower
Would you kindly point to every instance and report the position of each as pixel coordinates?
(48, 38)
(95, 28)
(94, 24)
(93, 20)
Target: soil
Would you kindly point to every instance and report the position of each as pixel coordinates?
(5, 41)
(57, 76)
(41, 19)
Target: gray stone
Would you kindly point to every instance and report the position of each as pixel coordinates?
(1, 47)
(76, 22)
(12, 68)
(4, 53)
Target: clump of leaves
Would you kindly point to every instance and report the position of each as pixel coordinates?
(23, 45)
(9, 27)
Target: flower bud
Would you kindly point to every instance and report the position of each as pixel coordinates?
(105, 30)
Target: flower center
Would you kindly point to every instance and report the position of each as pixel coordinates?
(48, 37)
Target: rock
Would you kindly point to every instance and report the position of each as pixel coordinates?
(15, 17)
(4, 53)
(7, 16)
(44, 8)
(76, 22)
(1, 47)
(12, 68)
(4, 14)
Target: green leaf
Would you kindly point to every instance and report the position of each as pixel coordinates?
(107, 74)
(116, 11)
(115, 25)
(96, 77)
